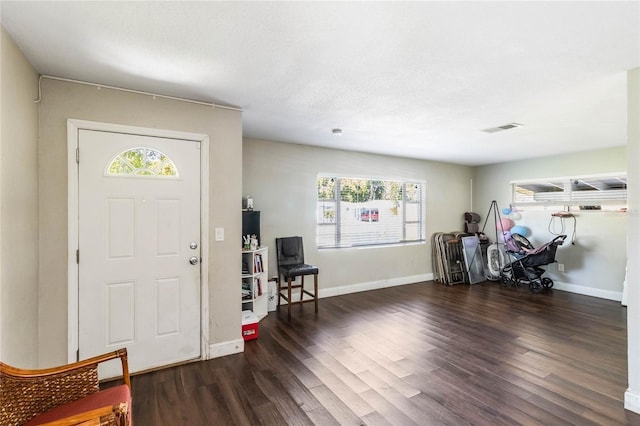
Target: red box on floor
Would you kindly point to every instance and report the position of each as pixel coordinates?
(249, 325)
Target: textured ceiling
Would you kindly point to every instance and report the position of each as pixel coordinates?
(413, 79)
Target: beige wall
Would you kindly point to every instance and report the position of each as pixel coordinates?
(595, 265)
(632, 397)
(19, 208)
(281, 178)
(63, 100)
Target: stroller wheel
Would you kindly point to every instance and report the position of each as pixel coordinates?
(535, 286)
(504, 279)
(547, 282)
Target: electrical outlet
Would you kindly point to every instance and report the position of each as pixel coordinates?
(560, 267)
(219, 234)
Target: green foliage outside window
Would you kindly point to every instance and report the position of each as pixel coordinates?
(143, 162)
(359, 190)
(365, 212)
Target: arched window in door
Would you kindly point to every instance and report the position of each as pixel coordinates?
(141, 161)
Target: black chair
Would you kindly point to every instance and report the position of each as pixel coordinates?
(290, 256)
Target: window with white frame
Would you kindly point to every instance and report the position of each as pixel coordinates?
(596, 192)
(356, 212)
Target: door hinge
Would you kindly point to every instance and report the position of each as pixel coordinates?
(78, 155)
(78, 256)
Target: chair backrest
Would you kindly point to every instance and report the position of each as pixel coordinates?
(289, 251)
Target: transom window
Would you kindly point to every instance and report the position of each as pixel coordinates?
(142, 161)
(355, 212)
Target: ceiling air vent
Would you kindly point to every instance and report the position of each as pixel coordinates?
(503, 127)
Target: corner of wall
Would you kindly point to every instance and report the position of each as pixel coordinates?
(632, 396)
(231, 347)
(632, 401)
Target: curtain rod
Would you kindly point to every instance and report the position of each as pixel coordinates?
(139, 92)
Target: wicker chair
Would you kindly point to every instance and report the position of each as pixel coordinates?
(66, 395)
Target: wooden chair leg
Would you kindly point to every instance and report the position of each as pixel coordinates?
(289, 298)
(279, 289)
(301, 288)
(315, 290)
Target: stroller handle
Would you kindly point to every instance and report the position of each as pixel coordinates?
(559, 240)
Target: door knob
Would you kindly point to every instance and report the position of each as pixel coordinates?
(193, 260)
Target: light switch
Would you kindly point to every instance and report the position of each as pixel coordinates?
(219, 234)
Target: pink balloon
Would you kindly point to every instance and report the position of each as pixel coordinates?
(504, 224)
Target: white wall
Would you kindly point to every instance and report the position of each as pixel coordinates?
(63, 100)
(632, 396)
(281, 178)
(19, 208)
(595, 265)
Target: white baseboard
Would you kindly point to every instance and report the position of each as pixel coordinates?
(366, 286)
(226, 348)
(632, 401)
(373, 285)
(588, 291)
(392, 282)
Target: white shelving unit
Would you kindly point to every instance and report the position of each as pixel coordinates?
(255, 281)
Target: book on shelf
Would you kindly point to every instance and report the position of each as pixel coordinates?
(246, 290)
(259, 282)
(246, 294)
(257, 263)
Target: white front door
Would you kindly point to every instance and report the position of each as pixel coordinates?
(139, 248)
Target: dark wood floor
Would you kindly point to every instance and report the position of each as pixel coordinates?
(421, 354)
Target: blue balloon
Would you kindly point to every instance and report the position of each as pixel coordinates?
(520, 230)
(506, 211)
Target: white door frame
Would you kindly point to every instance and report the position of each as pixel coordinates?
(73, 128)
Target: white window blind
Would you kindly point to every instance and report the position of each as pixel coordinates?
(354, 212)
(579, 191)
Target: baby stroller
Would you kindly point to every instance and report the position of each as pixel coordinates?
(526, 267)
